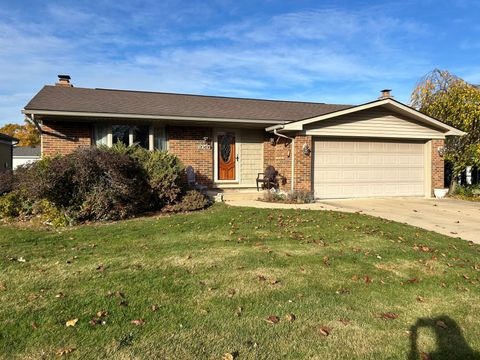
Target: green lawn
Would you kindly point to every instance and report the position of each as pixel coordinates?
(204, 283)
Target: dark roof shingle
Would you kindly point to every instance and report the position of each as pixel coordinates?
(71, 99)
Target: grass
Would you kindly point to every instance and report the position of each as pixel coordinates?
(196, 282)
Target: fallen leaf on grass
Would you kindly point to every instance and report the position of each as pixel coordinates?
(410, 281)
(34, 325)
(274, 281)
(290, 317)
(102, 313)
(231, 292)
(72, 322)
(441, 324)
(345, 321)
(420, 299)
(261, 278)
(101, 267)
(325, 331)
(389, 316)
(59, 295)
(65, 351)
(425, 356)
(154, 308)
(272, 319)
(230, 356)
(138, 322)
(367, 279)
(238, 312)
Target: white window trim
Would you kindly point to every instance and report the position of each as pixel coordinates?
(151, 135)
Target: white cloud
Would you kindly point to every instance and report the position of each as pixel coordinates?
(311, 53)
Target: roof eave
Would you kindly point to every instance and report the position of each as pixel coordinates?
(146, 117)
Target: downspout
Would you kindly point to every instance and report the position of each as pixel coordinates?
(39, 128)
(293, 156)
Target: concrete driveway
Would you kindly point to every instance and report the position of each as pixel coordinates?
(451, 217)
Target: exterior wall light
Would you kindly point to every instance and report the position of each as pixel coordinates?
(306, 149)
(441, 150)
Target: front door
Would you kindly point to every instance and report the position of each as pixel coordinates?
(226, 156)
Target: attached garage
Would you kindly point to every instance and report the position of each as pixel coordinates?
(379, 149)
(348, 168)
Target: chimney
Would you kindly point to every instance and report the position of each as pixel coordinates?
(64, 80)
(386, 94)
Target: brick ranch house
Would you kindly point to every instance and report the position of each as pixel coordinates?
(381, 148)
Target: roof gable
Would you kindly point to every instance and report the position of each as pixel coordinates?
(389, 104)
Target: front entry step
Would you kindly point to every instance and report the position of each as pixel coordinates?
(227, 195)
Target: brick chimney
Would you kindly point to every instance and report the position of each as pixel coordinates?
(64, 80)
(386, 94)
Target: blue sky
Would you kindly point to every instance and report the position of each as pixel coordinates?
(326, 51)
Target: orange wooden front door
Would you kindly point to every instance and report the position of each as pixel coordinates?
(226, 156)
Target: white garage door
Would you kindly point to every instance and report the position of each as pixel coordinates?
(356, 168)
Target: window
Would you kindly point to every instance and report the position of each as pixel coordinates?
(120, 133)
(146, 136)
(101, 134)
(159, 139)
(140, 135)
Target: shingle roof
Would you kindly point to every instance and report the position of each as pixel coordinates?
(27, 151)
(72, 99)
(7, 138)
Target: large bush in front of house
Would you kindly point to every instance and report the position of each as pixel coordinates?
(94, 184)
(164, 171)
(88, 184)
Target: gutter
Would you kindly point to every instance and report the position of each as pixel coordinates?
(275, 128)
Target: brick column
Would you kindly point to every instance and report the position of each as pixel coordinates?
(303, 163)
(438, 166)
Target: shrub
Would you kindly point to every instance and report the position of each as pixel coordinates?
(11, 205)
(192, 200)
(301, 197)
(468, 191)
(164, 171)
(297, 196)
(49, 214)
(89, 184)
(6, 181)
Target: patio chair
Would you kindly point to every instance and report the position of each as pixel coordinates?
(268, 178)
(192, 182)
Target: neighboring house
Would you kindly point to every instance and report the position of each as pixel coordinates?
(6, 151)
(381, 148)
(25, 155)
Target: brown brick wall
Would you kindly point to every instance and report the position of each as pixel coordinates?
(303, 164)
(64, 137)
(184, 142)
(279, 156)
(438, 166)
